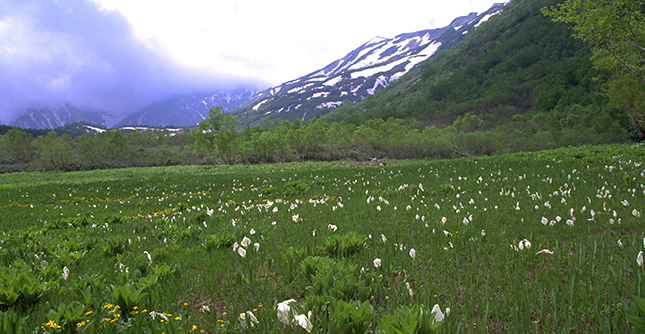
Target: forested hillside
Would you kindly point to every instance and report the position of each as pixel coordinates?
(518, 71)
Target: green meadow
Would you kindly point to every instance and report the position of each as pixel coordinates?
(540, 242)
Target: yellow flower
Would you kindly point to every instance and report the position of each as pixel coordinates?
(177, 318)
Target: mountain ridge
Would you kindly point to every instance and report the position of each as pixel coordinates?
(360, 73)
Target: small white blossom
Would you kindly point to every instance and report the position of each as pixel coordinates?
(241, 251)
(377, 262)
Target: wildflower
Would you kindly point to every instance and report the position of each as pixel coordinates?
(407, 286)
(413, 253)
(304, 321)
(639, 259)
(544, 221)
(256, 246)
(483, 233)
(546, 251)
(251, 319)
(65, 273)
(620, 243)
(235, 246)
(332, 227)
(148, 256)
(154, 314)
(252, 231)
(466, 221)
(378, 207)
(443, 221)
(275, 209)
(635, 213)
(377, 262)
(295, 218)
(245, 242)
(438, 315)
(384, 239)
(241, 251)
(284, 311)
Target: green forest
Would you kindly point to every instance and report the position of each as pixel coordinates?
(521, 82)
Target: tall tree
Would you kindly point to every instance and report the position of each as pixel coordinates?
(616, 30)
(217, 136)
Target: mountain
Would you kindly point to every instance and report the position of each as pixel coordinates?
(361, 73)
(520, 68)
(57, 116)
(185, 110)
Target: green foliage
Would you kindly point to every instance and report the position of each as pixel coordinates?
(218, 241)
(12, 323)
(638, 321)
(616, 30)
(344, 245)
(20, 289)
(353, 317)
(417, 319)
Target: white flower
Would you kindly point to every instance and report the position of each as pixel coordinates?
(295, 218)
(413, 253)
(245, 242)
(205, 308)
(377, 261)
(275, 209)
(210, 212)
(235, 246)
(444, 220)
(483, 233)
(639, 259)
(570, 222)
(384, 239)
(252, 231)
(66, 271)
(250, 317)
(378, 207)
(304, 321)
(407, 286)
(256, 246)
(635, 213)
(544, 221)
(620, 243)
(438, 315)
(524, 244)
(153, 314)
(465, 221)
(332, 227)
(241, 251)
(284, 311)
(148, 256)
(546, 251)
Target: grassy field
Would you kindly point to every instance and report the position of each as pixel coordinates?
(533, 242)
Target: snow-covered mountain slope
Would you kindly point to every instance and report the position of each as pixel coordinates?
(54, 117)
(362, 72)
(185, 110)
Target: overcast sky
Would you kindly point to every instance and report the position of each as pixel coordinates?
(119, 55)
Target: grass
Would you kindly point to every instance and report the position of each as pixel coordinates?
(166, 240)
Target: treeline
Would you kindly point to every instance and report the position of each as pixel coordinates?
(315, 140)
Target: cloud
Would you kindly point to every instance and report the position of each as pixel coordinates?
(73, 51)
